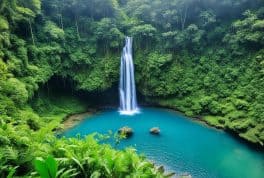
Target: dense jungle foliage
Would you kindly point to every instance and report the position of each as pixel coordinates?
(202, 57)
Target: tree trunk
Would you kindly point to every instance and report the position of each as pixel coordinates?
(61, 22)
(77, 29)
(2, 5)
(31, 32)
(61, 17)
(183, 17)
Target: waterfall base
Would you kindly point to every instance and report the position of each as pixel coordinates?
(129, 113)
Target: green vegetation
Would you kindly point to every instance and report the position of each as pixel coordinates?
(203, 58)
(29, 141)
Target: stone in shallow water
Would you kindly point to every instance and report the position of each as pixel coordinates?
(127, 131)
(185, 175)
(155, 130)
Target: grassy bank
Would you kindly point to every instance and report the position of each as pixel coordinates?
(247, 129)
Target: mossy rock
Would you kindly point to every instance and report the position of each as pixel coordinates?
(126, 131)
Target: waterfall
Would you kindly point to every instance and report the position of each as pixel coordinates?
(127, 88)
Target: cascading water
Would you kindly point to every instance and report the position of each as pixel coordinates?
(127, 88)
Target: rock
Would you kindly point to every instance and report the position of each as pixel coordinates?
(155, 130)
(127, 131)
(186, 175)
(172, 174)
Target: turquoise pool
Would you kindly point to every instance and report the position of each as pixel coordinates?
(182, 146)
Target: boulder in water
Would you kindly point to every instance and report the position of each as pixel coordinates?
(155, 130)
(127, 131)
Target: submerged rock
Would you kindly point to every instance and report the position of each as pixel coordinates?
(186, 175)
(172, 174)
(127, 131)
(155, 130)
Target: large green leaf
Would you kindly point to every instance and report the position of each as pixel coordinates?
(46, 168)
(41, 168)
(52, 166)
